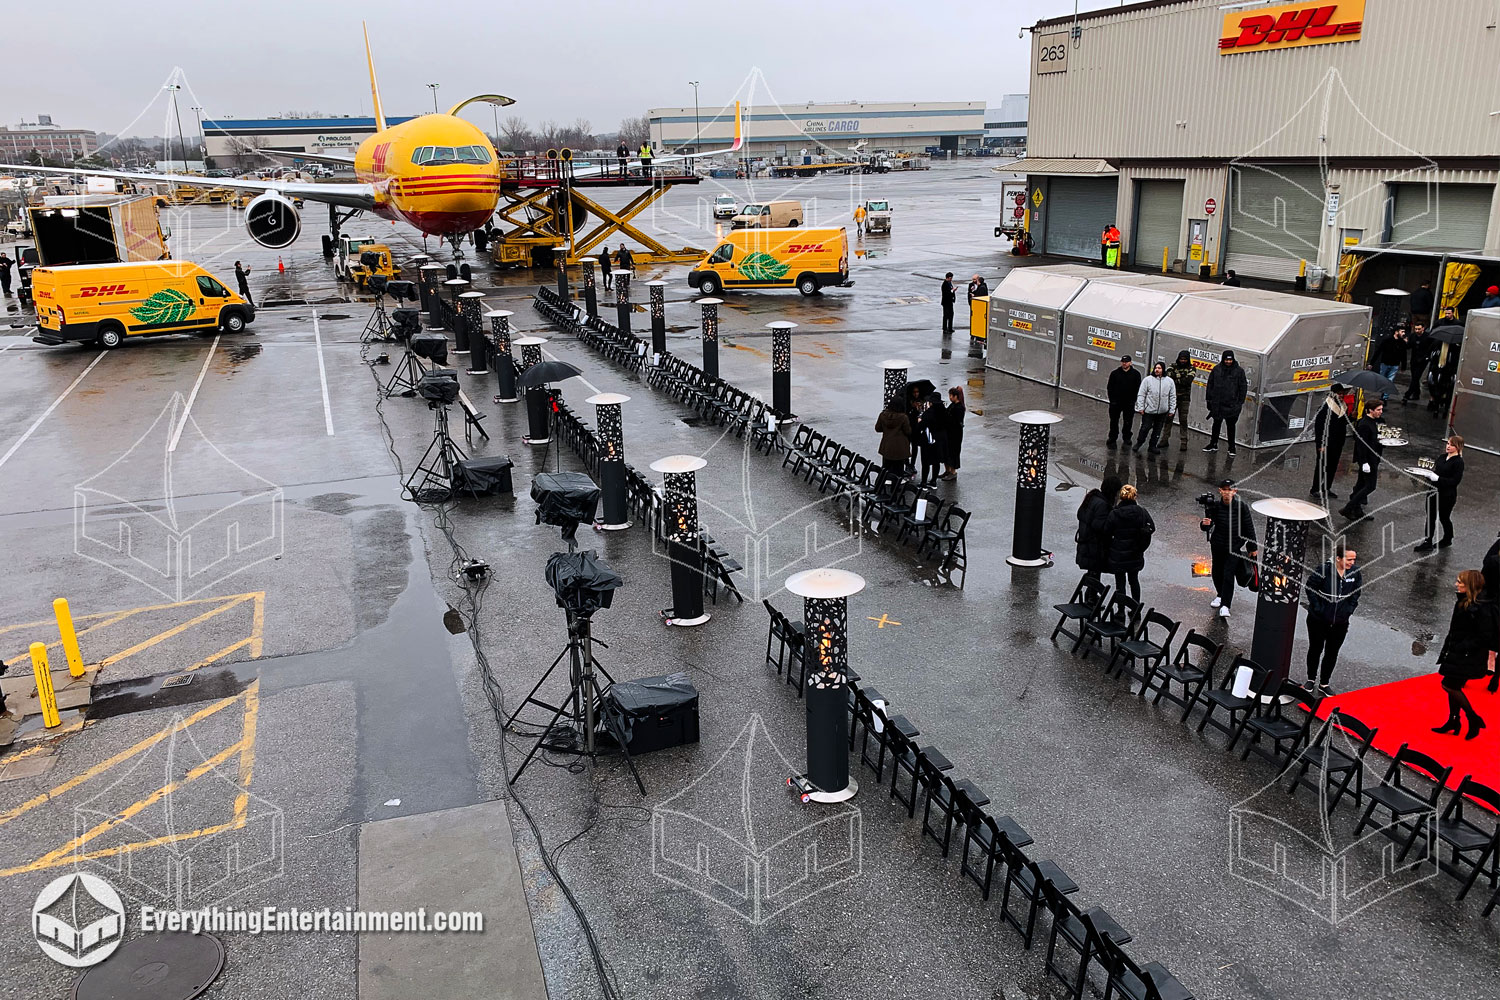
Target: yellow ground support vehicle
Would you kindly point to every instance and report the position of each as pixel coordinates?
(804, 259)
(105, 303)
(374, 259)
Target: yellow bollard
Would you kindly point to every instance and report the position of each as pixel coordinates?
(44, 692)
(1165, 253)
(69, 636)
(1302, 271)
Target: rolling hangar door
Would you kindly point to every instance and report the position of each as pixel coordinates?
(1158, 221)
(1440, 216)
(1077, 210)
(1274, 219)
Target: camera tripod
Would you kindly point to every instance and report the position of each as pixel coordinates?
(404, 377)
(581, 706)
(378, 327)
(432, 480)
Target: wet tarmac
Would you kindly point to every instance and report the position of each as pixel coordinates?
(370, 703)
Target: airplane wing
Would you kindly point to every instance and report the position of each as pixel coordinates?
(336, 159)
(361, 196)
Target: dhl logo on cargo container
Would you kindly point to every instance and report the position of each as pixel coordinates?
(1103, 343)
(1320, 375)
(98, 291)
(1020, 324)
(1291, 25)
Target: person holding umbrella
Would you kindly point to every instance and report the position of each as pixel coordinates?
(1367, 454)
(1330, 428)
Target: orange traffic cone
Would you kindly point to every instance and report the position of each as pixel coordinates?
(280, 266)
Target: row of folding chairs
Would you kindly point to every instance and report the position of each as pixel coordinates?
(1279, 721)
(993, 847)
(624, 349)
(715, 400)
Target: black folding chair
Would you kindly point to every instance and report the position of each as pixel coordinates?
(1088, 600)
(1474, 845)
(1238, 707)
(1082, 932)
(1192, 667)
(1276, 724)
(1406, 803)
(1337, 753)
(950, 537)
(1024, 878)
(1115, 623)
(1146, 649)
(1133, 981)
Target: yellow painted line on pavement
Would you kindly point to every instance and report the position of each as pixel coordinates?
(135, 611)
(72, 727)
(247, 752)
(123, 755)
(176, 630)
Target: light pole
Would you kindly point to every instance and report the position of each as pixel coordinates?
(694, 84)
(202, 139)
(434, 88)
(181, 142)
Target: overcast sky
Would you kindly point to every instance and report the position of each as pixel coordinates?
(104, 67)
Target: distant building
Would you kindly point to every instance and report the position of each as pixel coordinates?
(786, 130)
(238, 139)
(1005, 126)
(52, 141)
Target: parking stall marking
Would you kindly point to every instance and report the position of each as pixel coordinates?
(188, 408)
(322, 375)
(48, 411)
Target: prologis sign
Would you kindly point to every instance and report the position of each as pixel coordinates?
(1291, 25)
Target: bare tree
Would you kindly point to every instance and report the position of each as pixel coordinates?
(517, 134)
(547, 134)
(634, 131)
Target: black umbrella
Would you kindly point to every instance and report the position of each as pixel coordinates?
(544, 372)
(1366, 380)
(1449, 333)
(923, 386)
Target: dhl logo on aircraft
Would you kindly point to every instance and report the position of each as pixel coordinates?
(97, 291)
(1292, 25)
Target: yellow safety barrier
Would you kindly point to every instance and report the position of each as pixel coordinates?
(44, 692)
(1302, 271)
(1166, 252)
(69, 636)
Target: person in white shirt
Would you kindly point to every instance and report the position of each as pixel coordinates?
(1156, 402)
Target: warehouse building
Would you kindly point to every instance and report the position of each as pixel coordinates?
(1005, 125)
(52, 141)
(235, 141)
(1269, 138)
(783, 131)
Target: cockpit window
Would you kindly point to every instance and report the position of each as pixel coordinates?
(444, 156)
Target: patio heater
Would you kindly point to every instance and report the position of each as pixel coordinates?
(536, 397)
(680, 528)
(590, 289)
(1031, 487)
(781, 369)
(658, 292)
(1281, 570)
(710, 336)
(622, 301)
(825, 597)
(611, 426)
(456, 287)
(430, 279)
(505, 365)
(895, 380)
(472, 305)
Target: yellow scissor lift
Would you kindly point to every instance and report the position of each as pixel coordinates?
(545, 208)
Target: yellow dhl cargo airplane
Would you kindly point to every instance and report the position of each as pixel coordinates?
(437, 173)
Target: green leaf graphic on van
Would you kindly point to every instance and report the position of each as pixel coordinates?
(762, 267)
(166, 306)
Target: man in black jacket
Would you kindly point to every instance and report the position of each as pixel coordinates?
(1446, 475)
(1421, 353)
(1421, 303)
(1124, 384)
(1225, 395)
(1332, 596)
(1231, 537)
(950, 294)
(1330, 429)
(1367, 454)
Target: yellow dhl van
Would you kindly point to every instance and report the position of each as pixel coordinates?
(105, 303)
(805, 259)
(769, 215)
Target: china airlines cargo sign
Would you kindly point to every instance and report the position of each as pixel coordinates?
(1291, 25)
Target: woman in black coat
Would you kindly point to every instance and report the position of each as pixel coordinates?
(1130, 530)
(932, 437)
(1093, 527)
(954, 419)
(1469, 650)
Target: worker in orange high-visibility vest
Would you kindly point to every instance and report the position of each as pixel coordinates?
(1109, 246)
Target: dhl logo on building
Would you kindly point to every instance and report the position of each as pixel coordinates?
(1291, 25)
(98, 291)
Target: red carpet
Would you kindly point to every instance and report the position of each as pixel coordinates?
(1406, 711)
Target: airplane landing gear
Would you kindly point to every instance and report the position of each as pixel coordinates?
(456, 241)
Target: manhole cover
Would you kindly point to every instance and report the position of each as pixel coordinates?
(161, 967)
(177, 681)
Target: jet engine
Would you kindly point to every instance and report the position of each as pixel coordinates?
(272, 220)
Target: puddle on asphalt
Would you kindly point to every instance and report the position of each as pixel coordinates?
(333, 315)
(242, 353)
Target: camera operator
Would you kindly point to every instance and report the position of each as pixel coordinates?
(1231, 538)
